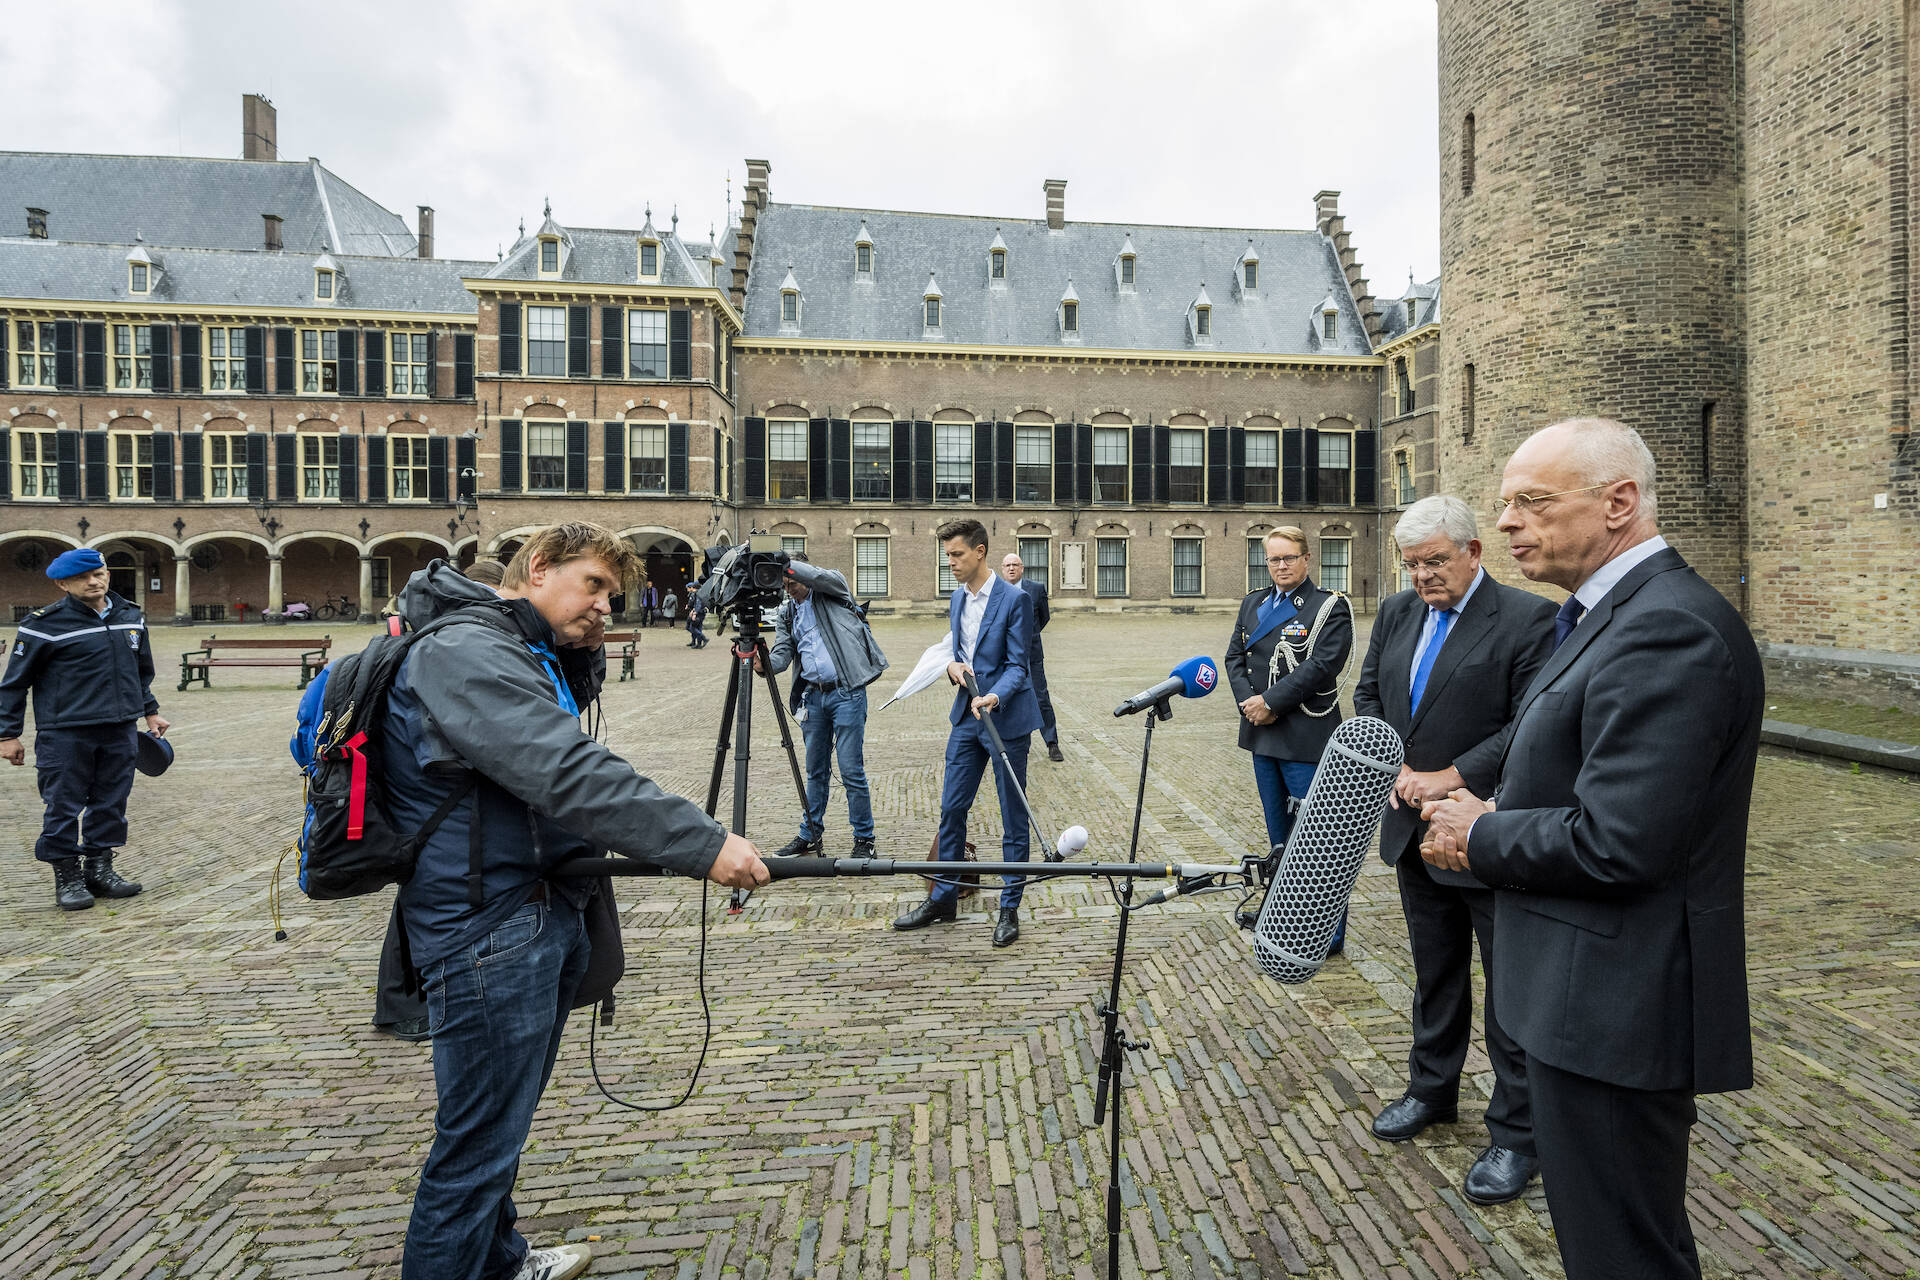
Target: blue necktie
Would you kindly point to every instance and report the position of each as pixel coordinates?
(1425, 666)
(1566, 620)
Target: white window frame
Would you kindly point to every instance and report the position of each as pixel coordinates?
(1203, 322)
(132, 368)
(997, 264)
(640, 321)
(1070, 317)
(1404, 485)
(930, 312)
(864, 547)
(1037, 567)
(1200, 566)
(324, 284)
(1105, 436)
(1250, 275)
(1266, 437)
(139, 278)
(224, 371)
(45, 465)
(1100, 545)
(1329, 326)
(641, 262)
(1326, 437)
(417, 343)
(793, 544)
(316, 364)
(648, 436)
(546, 318)
(863, 259)
(34, 363)
(789, 306)
(548, 429)
(233, 470)
(884, 430)
(1024, 435)
(945, 437)
(782, 434)
(408, 455)
(1336, 566)
(1129, 270)
(315, 469)
(549, 244)
(943, 580)
(127, 471)
(1258, 579)
(1196, 445)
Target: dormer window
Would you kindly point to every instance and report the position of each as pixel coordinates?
(789, 307)
(36, 224)
(323, 284)
(933, 313)
(650, 259)
(1330, 325)
(1125, 264)
(1126, 269)
(137, 277)
(1413, 306)
(549, 257)
(1200, 318)
(863, 259)
(1070, 317)
(1246, 272)
(1250, 276)
(998, 266)
(1203, 321)
(931, 301)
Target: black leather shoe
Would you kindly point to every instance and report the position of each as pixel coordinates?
(928, 912)
(103, 881)
(1053, 753)
(70, 886)
(407, 1029)
(1007, 931)
(1499, 1175)
(798, 847)
(1409, 1116)
(863, 848)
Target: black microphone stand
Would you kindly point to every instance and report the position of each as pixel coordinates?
(1113, 1053)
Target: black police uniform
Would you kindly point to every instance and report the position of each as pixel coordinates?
(91, 678)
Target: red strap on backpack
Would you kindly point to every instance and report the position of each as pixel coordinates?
(357, 793)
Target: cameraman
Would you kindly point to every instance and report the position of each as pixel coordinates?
(838, 656)
(502, 957)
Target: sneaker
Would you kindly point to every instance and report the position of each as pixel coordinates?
(563, 1262)
(863, 848)
(799, 847)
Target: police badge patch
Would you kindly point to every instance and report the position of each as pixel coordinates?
(19, 647)
(133, 641)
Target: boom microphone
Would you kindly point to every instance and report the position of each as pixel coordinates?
(1072, 841)
(1329, 844)
(1193, 678)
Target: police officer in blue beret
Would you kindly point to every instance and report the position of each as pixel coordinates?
(89, 662)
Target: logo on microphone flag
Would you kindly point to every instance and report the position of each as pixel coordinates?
(1206, 676)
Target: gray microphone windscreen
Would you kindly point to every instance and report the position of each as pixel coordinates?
(1332, 835)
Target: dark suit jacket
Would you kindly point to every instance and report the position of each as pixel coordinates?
(1619, 848)
(1038, 594)
(1491, 655)
(1295, 735)
(1000, 656)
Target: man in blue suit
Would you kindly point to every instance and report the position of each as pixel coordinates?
(993, 632)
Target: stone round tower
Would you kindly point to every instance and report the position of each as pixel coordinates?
(1590, 242)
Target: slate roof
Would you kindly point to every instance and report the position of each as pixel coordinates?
(192, 202)
(1297, 270)
(58, 271)
(601, 255)
(1393, 312)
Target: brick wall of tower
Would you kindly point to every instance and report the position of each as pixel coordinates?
(1593, 268)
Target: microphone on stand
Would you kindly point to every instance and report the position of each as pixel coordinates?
(1072, 841)
(1330, 842)
(1193, 678)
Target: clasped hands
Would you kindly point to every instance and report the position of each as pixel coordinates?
(1256, 711)
(1448, 819)
(958, 672)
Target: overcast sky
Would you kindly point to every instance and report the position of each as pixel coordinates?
(1227, 114)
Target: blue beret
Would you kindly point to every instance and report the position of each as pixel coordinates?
(71, 564)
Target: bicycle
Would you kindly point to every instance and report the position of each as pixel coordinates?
(344, 608)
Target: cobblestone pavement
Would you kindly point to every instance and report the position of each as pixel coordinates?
(182, 1096)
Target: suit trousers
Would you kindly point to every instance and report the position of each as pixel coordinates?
(1037, 675)
(968, 752)
(85, 777)
(1614, 1161)
(1443, 921)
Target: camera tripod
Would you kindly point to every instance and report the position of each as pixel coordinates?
(748, 645)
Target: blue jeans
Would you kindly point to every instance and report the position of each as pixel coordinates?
(836, 724)
(968, 751)
(1278, 780)
(497, 1010)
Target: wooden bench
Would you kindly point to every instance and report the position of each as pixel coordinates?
(311, 657)
(629, 642)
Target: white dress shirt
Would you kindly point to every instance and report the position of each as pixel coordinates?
(1607, 576)
(1433, 621)
(973, 611)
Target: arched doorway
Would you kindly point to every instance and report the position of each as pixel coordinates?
(668, 561)
(140, 570)
(24, 557)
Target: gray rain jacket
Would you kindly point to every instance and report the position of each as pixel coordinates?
(479, 698)
(856, 654)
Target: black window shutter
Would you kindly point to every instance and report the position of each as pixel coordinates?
(377, 468)
(376, 362)
(983, 462)
(163, 466)
(162, 357)
(1310, 465)
(1163, 464)
(433, 365)
(437, 469)
(680, 344)
(1223, 483)
(466, 465)
(64, 376)
(840, 433)
(1237, 465)
(193, 474)
(1292, 482)
(509, 455)
(614, 447)
(349, 467)
(283, 377)
(256, 368)
(349, 382)
(1003, 462)
(95, 447)
(613, 342)
(1366, 466)
(93, 356)
(576, 455)
(6, 457)
(901, 489)
(677, 457)
(6, 329)
(463, 366)
(1141, 470)
(509, 337)
(66, 447)
(719, 452)
(818, 459)
(922, 461)
(1063, 463)
(579, 343)
(1083, 463)
(190, 379)
(256, 467)
(286, 468)
(756, 459)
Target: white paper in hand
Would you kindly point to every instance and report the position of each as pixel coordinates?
(931, 667)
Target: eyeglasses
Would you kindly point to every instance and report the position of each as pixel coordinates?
(1284, 561)
(1527, 502)
(1435, 564)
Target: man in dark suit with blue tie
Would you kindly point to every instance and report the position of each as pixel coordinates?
(1617, 851)
(992, 623)
(1446, 667)
(1014, 569)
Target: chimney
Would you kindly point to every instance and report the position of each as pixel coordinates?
(259, 130)
(757, 188)
(36, 223)
(425, 233)
(1056, 189)
(1326, 210)
(272, 221)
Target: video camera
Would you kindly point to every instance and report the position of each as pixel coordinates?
(745, 580)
